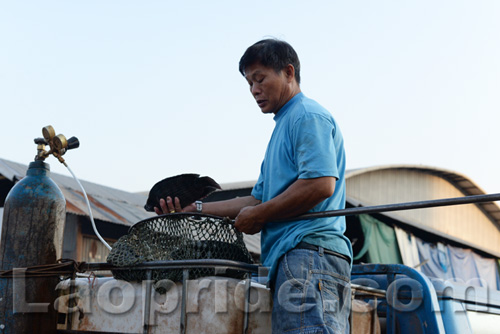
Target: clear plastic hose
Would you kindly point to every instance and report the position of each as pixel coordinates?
(88, 206)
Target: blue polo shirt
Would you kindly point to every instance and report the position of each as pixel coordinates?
(306, 143)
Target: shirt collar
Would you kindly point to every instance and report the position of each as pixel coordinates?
(287, 106)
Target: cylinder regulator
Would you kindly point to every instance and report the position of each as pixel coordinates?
(32, 234)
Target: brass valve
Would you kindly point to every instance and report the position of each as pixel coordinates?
(58, 144)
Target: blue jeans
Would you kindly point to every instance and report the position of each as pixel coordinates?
(312, 293)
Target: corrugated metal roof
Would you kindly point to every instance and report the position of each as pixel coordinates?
(12, 170)
(464, 184)
(108, 204)
(237, 185)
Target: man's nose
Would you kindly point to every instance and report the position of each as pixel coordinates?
(255, 90)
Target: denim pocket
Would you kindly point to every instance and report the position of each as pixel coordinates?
(296, 266)
(335, 297)
(312, 294)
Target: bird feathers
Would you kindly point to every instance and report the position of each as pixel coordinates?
(187, 187)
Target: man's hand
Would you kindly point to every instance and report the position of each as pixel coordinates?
(247, 220)
(169, 206)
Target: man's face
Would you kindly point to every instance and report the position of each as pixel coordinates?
(270, 89)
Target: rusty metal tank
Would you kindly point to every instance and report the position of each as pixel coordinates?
(32, 232)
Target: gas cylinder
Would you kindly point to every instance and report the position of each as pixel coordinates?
(32, 234)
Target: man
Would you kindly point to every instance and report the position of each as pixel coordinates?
(302, 172)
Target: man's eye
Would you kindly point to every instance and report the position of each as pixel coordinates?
(260, 80)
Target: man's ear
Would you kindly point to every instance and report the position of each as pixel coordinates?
(289, 72)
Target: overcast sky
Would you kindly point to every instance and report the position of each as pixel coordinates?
(152, 88)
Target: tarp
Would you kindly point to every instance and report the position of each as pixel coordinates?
(488, 270)
(385, 244)
(461, 264)
(435, 259)
(408, 248)
(380, 242)
(473, 269)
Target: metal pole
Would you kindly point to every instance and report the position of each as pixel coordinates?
(353, 292)
(401, 206)
(185, 277)
(147, 301)
(391, 311)
(71, 302)
(374, 315)
(247, 303)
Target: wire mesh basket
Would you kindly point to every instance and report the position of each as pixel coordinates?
(178, 236)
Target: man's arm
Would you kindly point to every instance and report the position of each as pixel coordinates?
(228, 208)
(300, 197)
(251, 215)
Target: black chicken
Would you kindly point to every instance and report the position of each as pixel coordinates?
(187, 187)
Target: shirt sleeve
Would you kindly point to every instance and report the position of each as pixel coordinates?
(258, 188)
(314, 149)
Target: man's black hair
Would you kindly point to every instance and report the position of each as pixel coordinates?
(271, 53)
